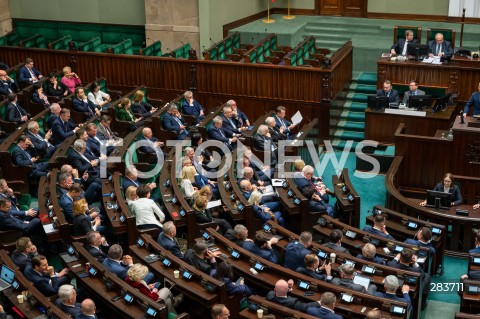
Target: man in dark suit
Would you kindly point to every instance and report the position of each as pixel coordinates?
(346, 280)
(335, 243)
(379, 228)
(326, 310)
(88, 310)
(96, 144)
(154, 143)
(119, 264)
(401, 47)
(475, 101)
(82, 104)
(262, 141)
(216, 132)
(15, 112)
(275, 132)
(230, 125)
(191, 106)
(24, 252)
(7, 84)
(406, 260)
(280, 120)
(104, 132)
(131, 179)
(262, 247)
(390, 92)
(413, 85)
(280, 296)
(67, 199)
(44, 277)
(172, 121)
(313, 269)
(391, 286)
(439, 47)
(39, 140)
(96, 245)
(69, 175)
(424, 235)
(238, 234)
(28, 74)
(296, 251)
(21, 157)
(53, 115)
(8, 222)
(63, 127)
(201, 258)
(167, 239)
(368, 254)
(67, 300)
(319, 201)
(82, 163)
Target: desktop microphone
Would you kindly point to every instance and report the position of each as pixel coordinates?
(462, 121)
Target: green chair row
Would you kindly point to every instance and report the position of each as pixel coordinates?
(181, 52)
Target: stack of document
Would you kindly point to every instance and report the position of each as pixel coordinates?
(427, 60)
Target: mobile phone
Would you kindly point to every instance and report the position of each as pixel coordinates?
(157, 285)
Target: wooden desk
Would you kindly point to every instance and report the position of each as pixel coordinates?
(381, 126)
(348, 207)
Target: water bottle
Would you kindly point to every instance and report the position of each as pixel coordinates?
(450, 135)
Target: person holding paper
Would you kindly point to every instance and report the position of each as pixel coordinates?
(282, 122)
(439, 47)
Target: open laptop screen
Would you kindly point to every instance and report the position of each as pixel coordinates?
(7, 274)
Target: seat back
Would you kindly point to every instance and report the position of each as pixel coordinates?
(399, 32)
(260, 52)
(448, 35)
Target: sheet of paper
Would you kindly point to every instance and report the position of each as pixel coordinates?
(277, 182)
(214, 203)
(269, 191)
(48, 228)
(363, 281)
(297, 118)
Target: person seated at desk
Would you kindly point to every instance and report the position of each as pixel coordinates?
(125, 114)
(70, 79)
(219, 311)
(39, 97)
(391, 286)
(131, 179)
(96, 245)
(141, 107)
(203, 215)
(413, 85)
(24, 252)
(39, 140)
(335, 243)
(475, 100)
(238, 115)
(238, 235)
(447, 186)
(280, 296)
(55, 88)
(263, 212)
(474, 274)
(368, 253)
(439, 47)
(401, 47)
(262, 247)
(83, 223)
(224, 272)
(15, 112)
(424, 236)
(28, 74)
(174, 122)
(190, 106)
(80, 103)
(167, 239)
(22, 157)
(9, 222)
(7, 84)
(326, 310)
(313, 269)
(389, 92)
(202, 258)
(88, 310)
(118, 263)
(98, 97)
(67, 300)
(44, 277)
(346, 280)
(296, 250)
(379, 228)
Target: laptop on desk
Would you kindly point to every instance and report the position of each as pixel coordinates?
(7, 276)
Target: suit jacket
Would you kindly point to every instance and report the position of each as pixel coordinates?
(86, 107)
(323, 313)
(8, 222)
(374, 231)
(204, 266)
(141, 287)
(446, 48)
(15, 113)
(295, 252)
(40, 145)
(475, 100)
(36, 99)
(420, 244)
(102, 132)
(45, 284)
(228, 128)
(407, 94)
(406, 298)
(71, 310)
(61, 130)
(170, 244)
(24, 75)
(98, 253)
(94, 145)
(192, 110)
(21, 157)
(51, 119)
(59, 91)
(302, 182)
(398, 47)
(124, 115)
(148, 149)
(127, 182)
(81, 164)
(120, 269)
(7, 87)
(375, 259)
(392, 98)
(455, 194)
(81, 225)
(21, 260)
(311, 273)
(67, 205)
(267, 254)
(142, 108)
(282, 122)
(292, 302)
(337, 248)
(276, 134)
(82, 316)
(171, 124)
(218, 134)
(259, 141)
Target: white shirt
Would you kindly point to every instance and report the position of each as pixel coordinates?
(145, 210)
(97, 98)
(186, 188)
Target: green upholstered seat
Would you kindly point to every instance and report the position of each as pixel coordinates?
(236, 41)
(60, 44)
(260, 51)
(399, 32)
(229, 45)
(221, 51)
(253, 56)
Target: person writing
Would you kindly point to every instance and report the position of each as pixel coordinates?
(448, 187)
(439, 47)
(401, 47)
(475, 100)
(390, 92)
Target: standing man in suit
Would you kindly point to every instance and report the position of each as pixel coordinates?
(39, 140)
(15, 112)
(217, 132)
(326, 310)
(475, 100)
(401, 47)
(335, 243)
(82, 104)
(390, 92)
(21, 157)
(67, 300)
(119, 264)
(63, 127)
(24, 252)
(280, 120)
(88, 310)
(167, 239)
(172, 121)
(191, 107)
(96, 245)
(7, 84)
(44, 276)
(413, 85)
(296, 251)
(439, 47)
(28, 74)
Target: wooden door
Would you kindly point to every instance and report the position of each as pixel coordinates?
(349, 8)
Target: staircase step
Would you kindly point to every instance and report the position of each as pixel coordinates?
(362, 98)
(363, 88)
(367, 78)
(349, 135)
(353, 116)
(339, 145)
(353, 126)
(356, 107)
